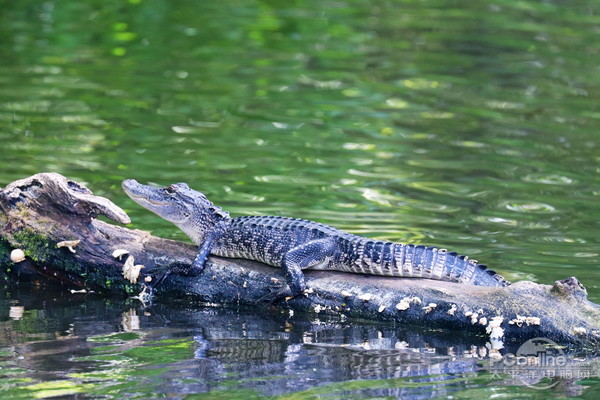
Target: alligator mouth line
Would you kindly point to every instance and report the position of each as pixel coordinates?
(147, 200)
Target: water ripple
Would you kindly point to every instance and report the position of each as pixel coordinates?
(528, 207)
(549, 179)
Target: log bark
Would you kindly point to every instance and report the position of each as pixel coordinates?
(39, 212)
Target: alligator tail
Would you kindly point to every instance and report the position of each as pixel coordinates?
(433, 263)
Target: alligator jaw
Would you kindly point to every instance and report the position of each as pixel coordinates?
(139, 193)
(146, 196)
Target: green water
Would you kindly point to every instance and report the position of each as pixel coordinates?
(466, 125)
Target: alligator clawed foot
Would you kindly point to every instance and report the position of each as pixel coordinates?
(175, 268)
(276, 296)
(183, 269)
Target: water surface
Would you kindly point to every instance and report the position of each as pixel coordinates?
(472, 127)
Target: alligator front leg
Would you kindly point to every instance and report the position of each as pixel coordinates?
(315, 254)
(203, 252)
(186, 269)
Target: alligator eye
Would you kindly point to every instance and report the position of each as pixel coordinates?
(170, 190)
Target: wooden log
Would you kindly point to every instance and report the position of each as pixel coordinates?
(53, 220)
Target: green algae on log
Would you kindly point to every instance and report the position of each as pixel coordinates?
(39, 212)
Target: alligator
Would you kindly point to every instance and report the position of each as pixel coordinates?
(297, 244)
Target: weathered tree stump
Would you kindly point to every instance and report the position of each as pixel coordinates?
(39, 212)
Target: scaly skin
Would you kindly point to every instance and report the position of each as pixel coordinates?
(296, 244)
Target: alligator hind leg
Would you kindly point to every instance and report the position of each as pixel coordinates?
(314, 254)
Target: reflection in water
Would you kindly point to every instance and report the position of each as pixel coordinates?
(81, 344)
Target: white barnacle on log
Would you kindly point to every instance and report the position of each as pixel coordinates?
(131, 272)
(579, 330)
(346, 293)
(406, 302)
(381, 309)
(17, 255)
(430, 307)
(403, 305)
(483, 321)
(493, 328)
(69, 244)
(474, 316)
(365, 297)
(520, 320)
(474, 319)
(452, 309)
(118, 253)
(128, 265)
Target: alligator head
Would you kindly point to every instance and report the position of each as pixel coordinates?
(188, 209)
